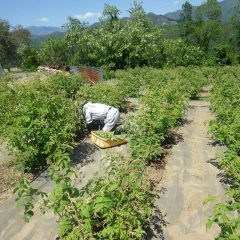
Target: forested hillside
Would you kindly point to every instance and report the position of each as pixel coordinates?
(227, 7)
(141, 39)
(40, 34)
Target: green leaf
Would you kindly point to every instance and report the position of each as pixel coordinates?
(210, 198)
(65, 225)
(99, 207)
(209, 224)
(113, 187)
(86, 210)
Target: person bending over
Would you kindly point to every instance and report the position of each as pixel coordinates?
(97, 111)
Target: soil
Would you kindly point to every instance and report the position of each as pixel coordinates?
(189, 177)
(9, 174)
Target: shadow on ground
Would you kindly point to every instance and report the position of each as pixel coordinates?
(173, 139)
(216, 162)
(83, 153)
(154, 228)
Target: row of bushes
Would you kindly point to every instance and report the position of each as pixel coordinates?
(114, 206)
(38, 115)
(119, 204)
(226, 128)
(163, 102)
(40, 123)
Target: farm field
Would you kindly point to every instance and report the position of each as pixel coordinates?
(165, 172)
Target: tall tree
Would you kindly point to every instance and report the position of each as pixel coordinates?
(7, 48)
(236, 25)
(208, 24)
(28, 57)
(110, 38)
(143, 38)
(10, 40)
(21, 36)
(187, 25)
(73, 37)
(21, 39)
(53, 53)
(110, 13)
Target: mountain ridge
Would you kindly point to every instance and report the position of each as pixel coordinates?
(43, 30)
(171, 18)
(157, 19)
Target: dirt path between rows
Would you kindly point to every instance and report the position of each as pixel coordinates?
(189, 178)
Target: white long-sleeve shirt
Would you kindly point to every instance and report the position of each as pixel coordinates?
(95, 111)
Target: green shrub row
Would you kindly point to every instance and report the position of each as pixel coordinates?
(162, 104)
(118, 204)
(225, 128)
(39, 116)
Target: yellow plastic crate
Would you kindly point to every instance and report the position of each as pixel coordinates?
(105, 143)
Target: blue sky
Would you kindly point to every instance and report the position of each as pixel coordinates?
(55, 12)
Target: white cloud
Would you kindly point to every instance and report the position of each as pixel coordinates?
(176, 2)
(43, 19)
(87, 15)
